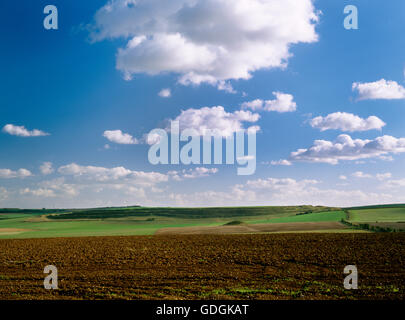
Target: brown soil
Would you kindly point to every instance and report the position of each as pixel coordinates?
(244, 266)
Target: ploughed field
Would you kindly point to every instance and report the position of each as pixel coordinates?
(235, 266)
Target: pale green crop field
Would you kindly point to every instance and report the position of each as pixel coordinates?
(380, 215)
(45, 229)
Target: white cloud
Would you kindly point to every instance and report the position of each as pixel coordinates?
(59, 186)
(346, 148)
(52, 188)
(398, 183)
(150, 138)
(102, 174)
(282, 162)
(215, 119)
(361, 175)
(347, 122)
(198, 172)
(207, 41)
(38, 192)
(342, 177)
(20, 173)
(129, 190)
(288, 191)
(284, 102)
(256, 104)
(381, 89)
(277, 184)
(46, 168)
(117, 136)
(165, 93)
(21, 131)
(282, 191)
(225, 86)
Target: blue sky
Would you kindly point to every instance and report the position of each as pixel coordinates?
(75, 83)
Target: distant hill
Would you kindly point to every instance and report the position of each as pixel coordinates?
(187, 213)
(379, 206)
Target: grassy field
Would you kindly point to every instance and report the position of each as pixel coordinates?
(23, 227)
(378, 215)
(189, 213)
(129, 220)
(326, 216)
(15, 223)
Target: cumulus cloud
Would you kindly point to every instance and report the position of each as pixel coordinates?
(117, 136)
(284, 102)
(346, 148)
(102, 174)
(58, 186)
(205, 41)
(40, 192)
(397, 183)
(21, 131)
(198, 172)
(20, 173)
(224, 86)
(283, 191)
(215, 119)
(347, 122)
(165, 93)
(256, 104)
(277, 184)
(289, 191)
(52, 188)
(361, 175)
(46, 168)
(128, 190)
(381, 89)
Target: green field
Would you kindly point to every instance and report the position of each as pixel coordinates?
(61, 228)
(310, 217)
(184, 213)
(381, 206)
(15, 223)
(393, 214)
